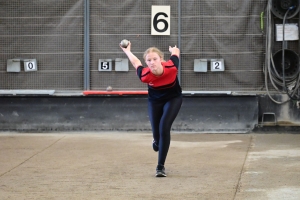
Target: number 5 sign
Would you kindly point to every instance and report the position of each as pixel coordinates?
(105, 65)
(160, 20)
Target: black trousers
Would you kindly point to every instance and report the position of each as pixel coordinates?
(162, 115)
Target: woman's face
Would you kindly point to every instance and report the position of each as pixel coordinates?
(153, 61)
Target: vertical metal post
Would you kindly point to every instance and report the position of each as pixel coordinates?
(298, 48)
(86, 45)
(179, 39)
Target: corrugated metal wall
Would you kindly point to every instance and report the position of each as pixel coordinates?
(53, 33)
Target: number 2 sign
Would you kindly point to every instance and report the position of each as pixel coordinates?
(217, 65)
(160, 20)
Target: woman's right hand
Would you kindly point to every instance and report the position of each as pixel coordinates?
(133, 59)
(127, 49)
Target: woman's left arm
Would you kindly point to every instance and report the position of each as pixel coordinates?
(175, 52)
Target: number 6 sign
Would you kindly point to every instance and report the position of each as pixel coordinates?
(160, 20)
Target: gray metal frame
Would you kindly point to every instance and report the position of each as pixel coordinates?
(86, 44)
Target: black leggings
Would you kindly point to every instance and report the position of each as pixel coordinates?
(162, 116)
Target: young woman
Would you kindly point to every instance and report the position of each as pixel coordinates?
(164, 96)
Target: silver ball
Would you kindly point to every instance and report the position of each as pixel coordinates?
(124, 43)
(109, 88)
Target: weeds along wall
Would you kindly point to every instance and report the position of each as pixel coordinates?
(68, 37)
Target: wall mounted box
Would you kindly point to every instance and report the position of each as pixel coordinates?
(121, 64)
(200, 65)
(13, 65)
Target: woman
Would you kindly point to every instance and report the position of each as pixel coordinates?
(164, 96)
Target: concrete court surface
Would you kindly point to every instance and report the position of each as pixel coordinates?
(121, 165)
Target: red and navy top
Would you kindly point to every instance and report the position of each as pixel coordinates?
(165, 86)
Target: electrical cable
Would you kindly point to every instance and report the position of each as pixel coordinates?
(269, 59)
(270, 69)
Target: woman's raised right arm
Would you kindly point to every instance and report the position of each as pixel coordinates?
(132, 58)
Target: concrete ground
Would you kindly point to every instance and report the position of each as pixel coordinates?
(122, 166)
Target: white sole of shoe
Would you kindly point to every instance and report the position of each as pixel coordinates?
(160, 175)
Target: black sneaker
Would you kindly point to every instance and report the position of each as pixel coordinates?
(160, 171)
(155, 146)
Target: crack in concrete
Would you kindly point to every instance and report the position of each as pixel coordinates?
(32, 156)
(243, 167)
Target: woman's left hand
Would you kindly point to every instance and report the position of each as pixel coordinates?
(174, 50)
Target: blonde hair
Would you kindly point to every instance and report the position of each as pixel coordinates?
(154, 50)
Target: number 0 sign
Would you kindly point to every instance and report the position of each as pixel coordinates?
(160, 20)
(30, 65)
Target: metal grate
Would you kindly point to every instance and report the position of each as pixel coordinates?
(111, 21)
(53, 33)
(49, 31)
(223, 29)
